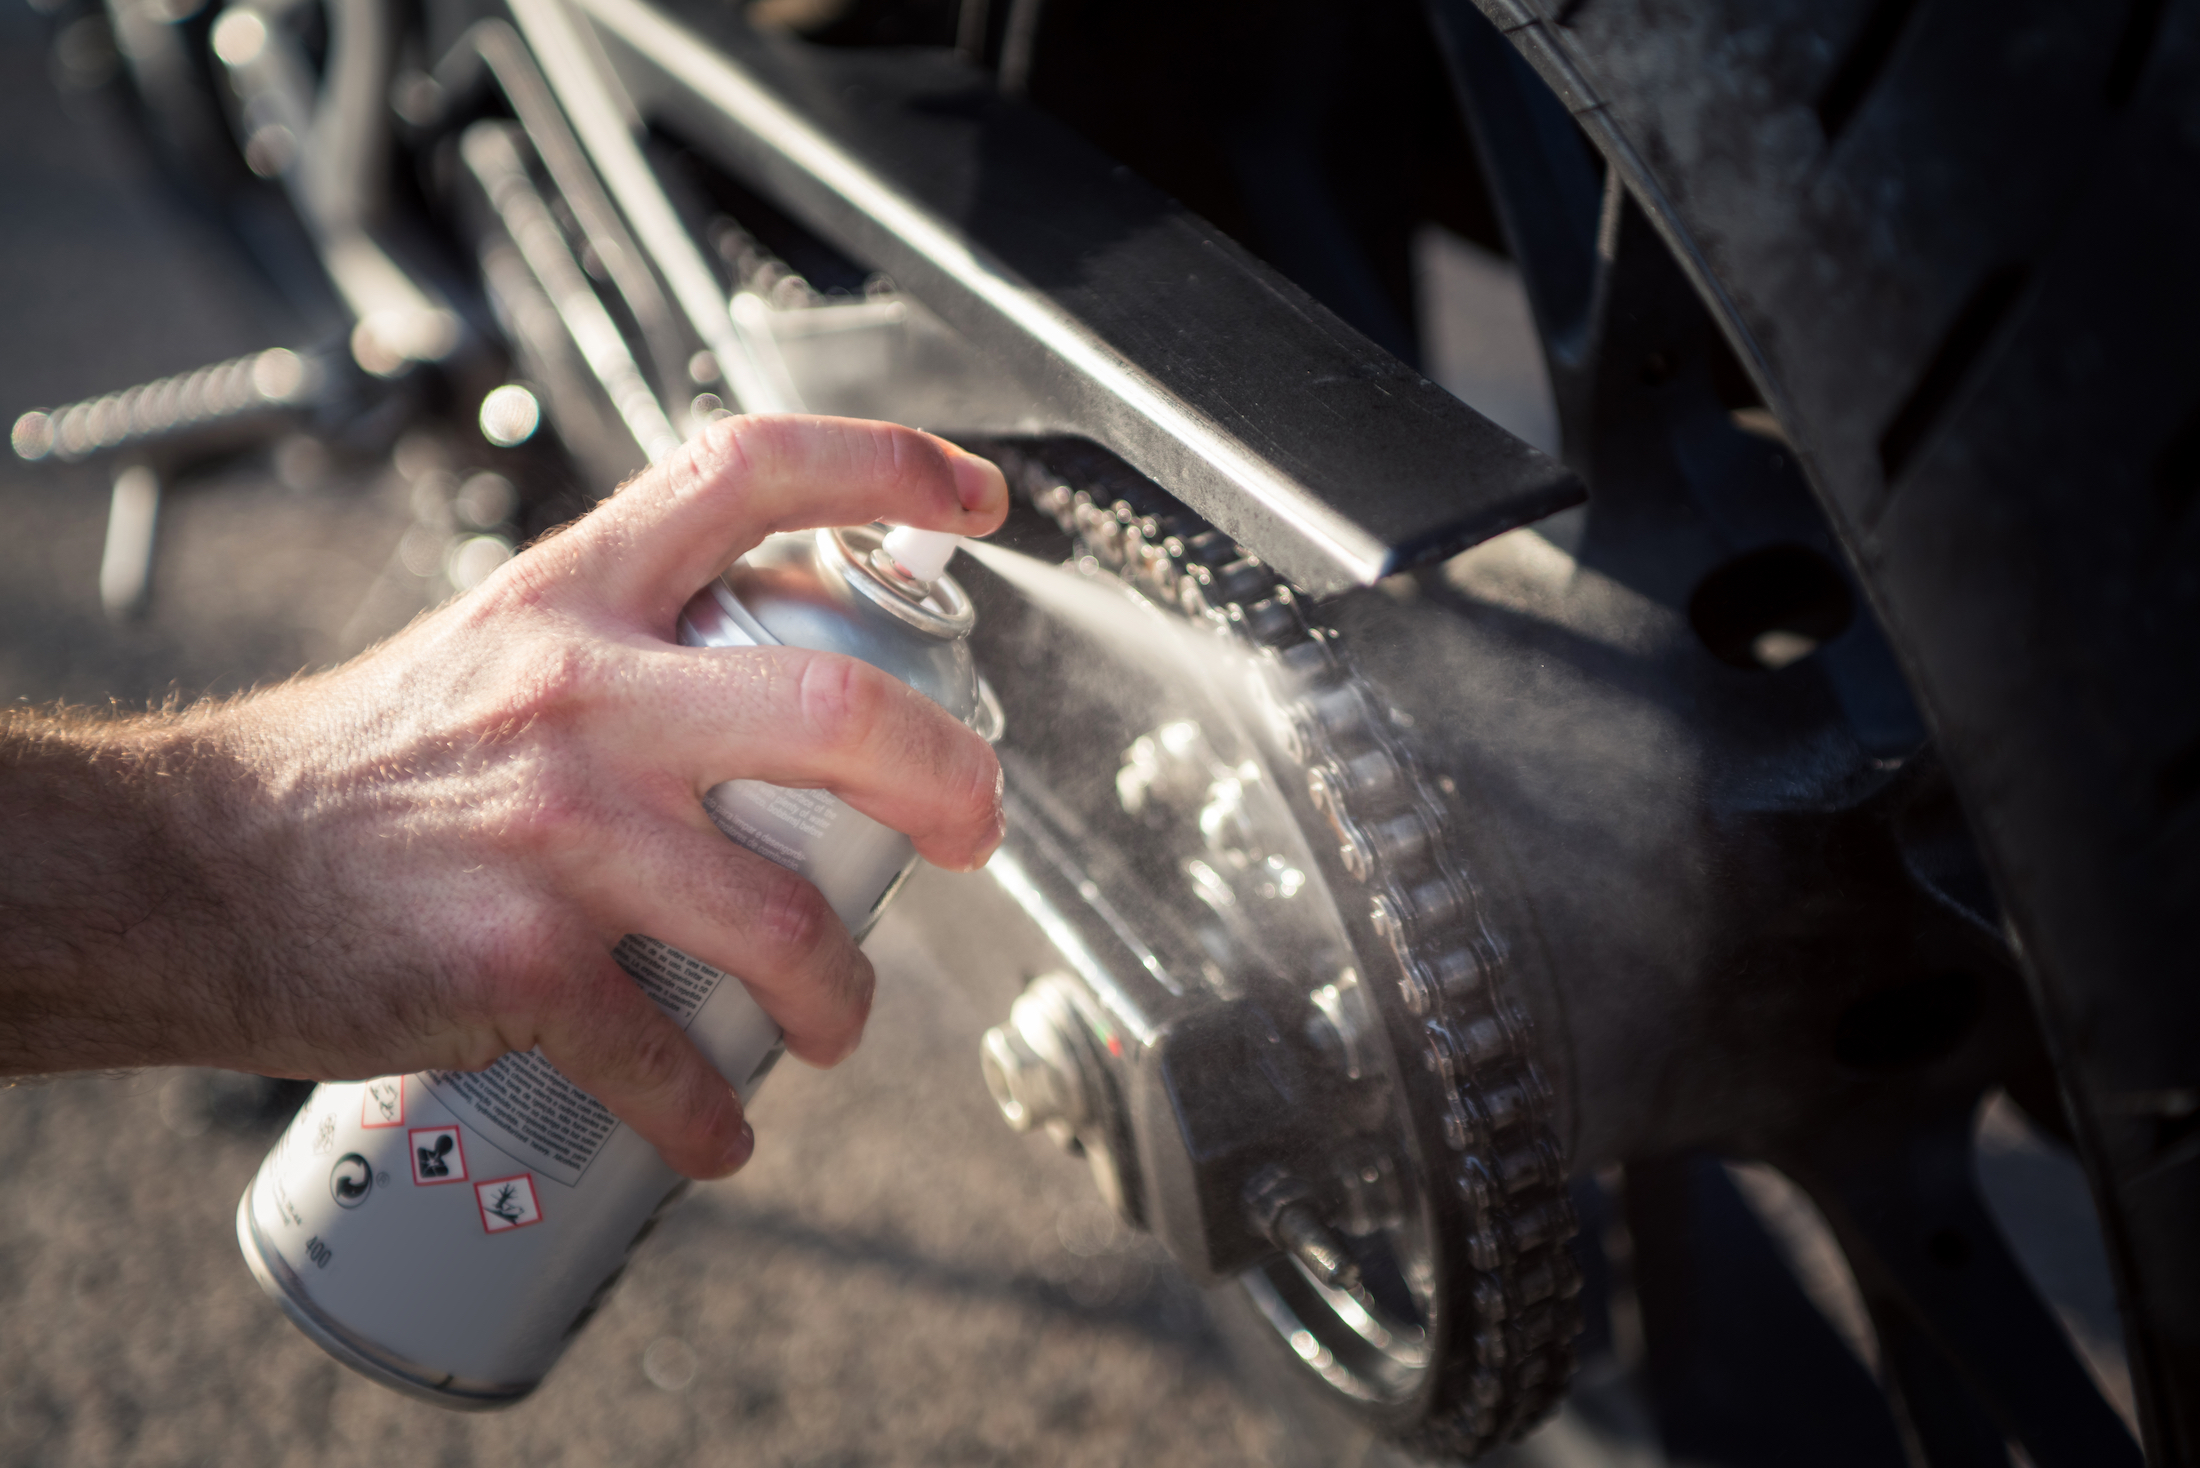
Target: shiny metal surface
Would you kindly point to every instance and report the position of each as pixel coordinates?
(754, 374)
(492, 152)
(283, 1285)
(937, 608)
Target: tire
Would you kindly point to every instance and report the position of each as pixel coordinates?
(1952, 244)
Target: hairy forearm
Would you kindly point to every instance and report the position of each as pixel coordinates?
(120, 928)
(423, 859)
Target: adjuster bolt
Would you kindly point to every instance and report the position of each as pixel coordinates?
(1281, 1208)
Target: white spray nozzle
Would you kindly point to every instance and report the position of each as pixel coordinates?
(922, 554)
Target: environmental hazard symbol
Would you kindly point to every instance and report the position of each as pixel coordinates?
(385, 1103)
(507, 1203)
(437, 1156)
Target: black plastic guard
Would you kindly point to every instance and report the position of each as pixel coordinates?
(1129, 320)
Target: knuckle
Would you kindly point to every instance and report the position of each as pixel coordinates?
(734, 448)
(514, 957)
(975, 779)
(556, 814)
(850, 995)
(513, 963)
(560, 674)
(894, 449)
(546, 686)
(656, 1058)
(693, 470)
(791, 915)
(668, 795)
(528, 581)
(840, 701)
(858, 991)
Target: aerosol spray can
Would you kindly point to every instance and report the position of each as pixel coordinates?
(446, 1233)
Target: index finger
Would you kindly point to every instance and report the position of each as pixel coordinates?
(658, 541)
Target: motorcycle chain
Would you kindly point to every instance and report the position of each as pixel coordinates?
(1520, 1293)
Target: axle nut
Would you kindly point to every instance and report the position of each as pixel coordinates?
(1036, 1065)
(1023, 1082)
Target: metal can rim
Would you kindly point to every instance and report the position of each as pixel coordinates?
(845, 552)
(384, 1367)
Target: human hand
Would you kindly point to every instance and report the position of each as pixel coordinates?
(422, 859)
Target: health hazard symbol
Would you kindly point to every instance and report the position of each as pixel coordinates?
(507, 1203)
(385, 1103)
(437, 1156)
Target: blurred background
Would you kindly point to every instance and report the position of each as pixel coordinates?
(896, 1278)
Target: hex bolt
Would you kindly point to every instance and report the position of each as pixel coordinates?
(1315, 1244)
(1035, 1064)
(1022, 1081)
(1281, 1208)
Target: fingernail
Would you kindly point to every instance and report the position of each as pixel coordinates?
(738, 1151)
(979, 483)
(982, 853)
(1000, 819)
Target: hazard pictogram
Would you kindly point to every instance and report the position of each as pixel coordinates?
(507, 1203)
(384, 1104)
(437, 1156)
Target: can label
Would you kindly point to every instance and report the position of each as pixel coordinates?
(850, 858)
(530, 1111)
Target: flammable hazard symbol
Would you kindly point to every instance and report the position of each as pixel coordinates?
(384, 1104)
(437, 1156)
(507, 1203)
